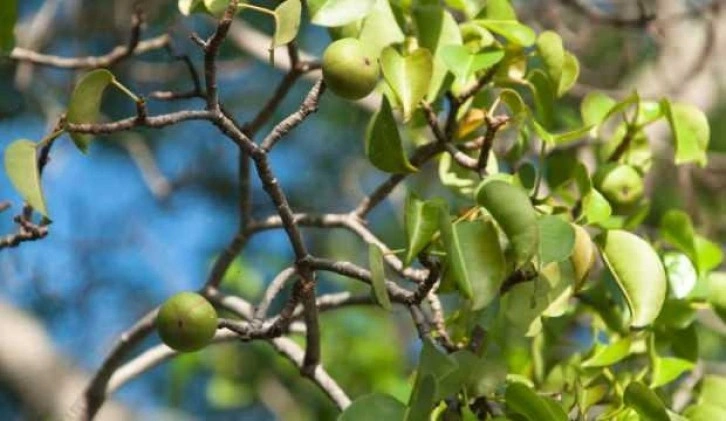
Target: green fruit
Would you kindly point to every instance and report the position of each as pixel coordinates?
(186, 322)
(348, 71)
(621, 184)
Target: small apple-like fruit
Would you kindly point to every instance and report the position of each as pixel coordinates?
(186, 322)
(621, 184)
(348, 71)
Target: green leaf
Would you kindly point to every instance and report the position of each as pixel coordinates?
(378, 277)
(708, 254)
(681, 274)
(555, 139)
(476, 259)
(436, 29)
(667, 369)
(500, 10)
(187, 7)
(595, 107)
(384, 147)
(216, 7)
(514, 101)
(463, 64)
(596, 208)
(512, 31)
(550, 49)
(717, 293)
(338, 12)
(421, 223)
(544, 97)
(639, 273)
(525, 402)
(21, 166)
(8, 17)
(690, 129)
(408, 76)
(713, 390)
(609, 354)
(645, 402)
(556, 239)
(510, 207)
(677, 229)
(570, 74)
(374, 407)
(434, 362)
(85, 103)
(422, 399)
(287, 22)
(380, 29)
(705, 412)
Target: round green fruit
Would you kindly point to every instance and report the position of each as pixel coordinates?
(348, 71)
(621, 184)
(186, 322)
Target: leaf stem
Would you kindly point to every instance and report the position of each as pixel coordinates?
(120, 86)
(51, 137)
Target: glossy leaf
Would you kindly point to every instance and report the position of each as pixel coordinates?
(378, 277)
(380, 29)
(668, 369)
(645, 402)
(609, 354)
(556, 239)
(463, 64)
(384, 147)
(187, 7)
(524, 401)
(510, 207)
(681, 274)
(713, 390)
(510, 30)
(705, 412)
(373, 407)
(639, 273)
(422, 399)
(437, 30)
(690, 130)
(570, 74)
(216, 7)
(85, 103)
(21, 166)
(551, 51)
(338, 12)
(595, 107)
(287, 22)
(500, 10)
(677, 229)
(583, 254)
(408, 76)
(476, 260)
(434, 362)
(421, 223)
(717, 293)
(708, 254)
(544, 98)
(595, 207)
(8, 17)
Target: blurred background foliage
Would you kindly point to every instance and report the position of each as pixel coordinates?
(127, 233)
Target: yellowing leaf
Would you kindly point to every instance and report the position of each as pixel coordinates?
(287, 22)
(21, 165)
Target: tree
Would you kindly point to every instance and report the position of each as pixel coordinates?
(538, 283)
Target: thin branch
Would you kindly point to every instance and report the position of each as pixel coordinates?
(309, 106)
(133, 46)
(211, 49)
(273, 289)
